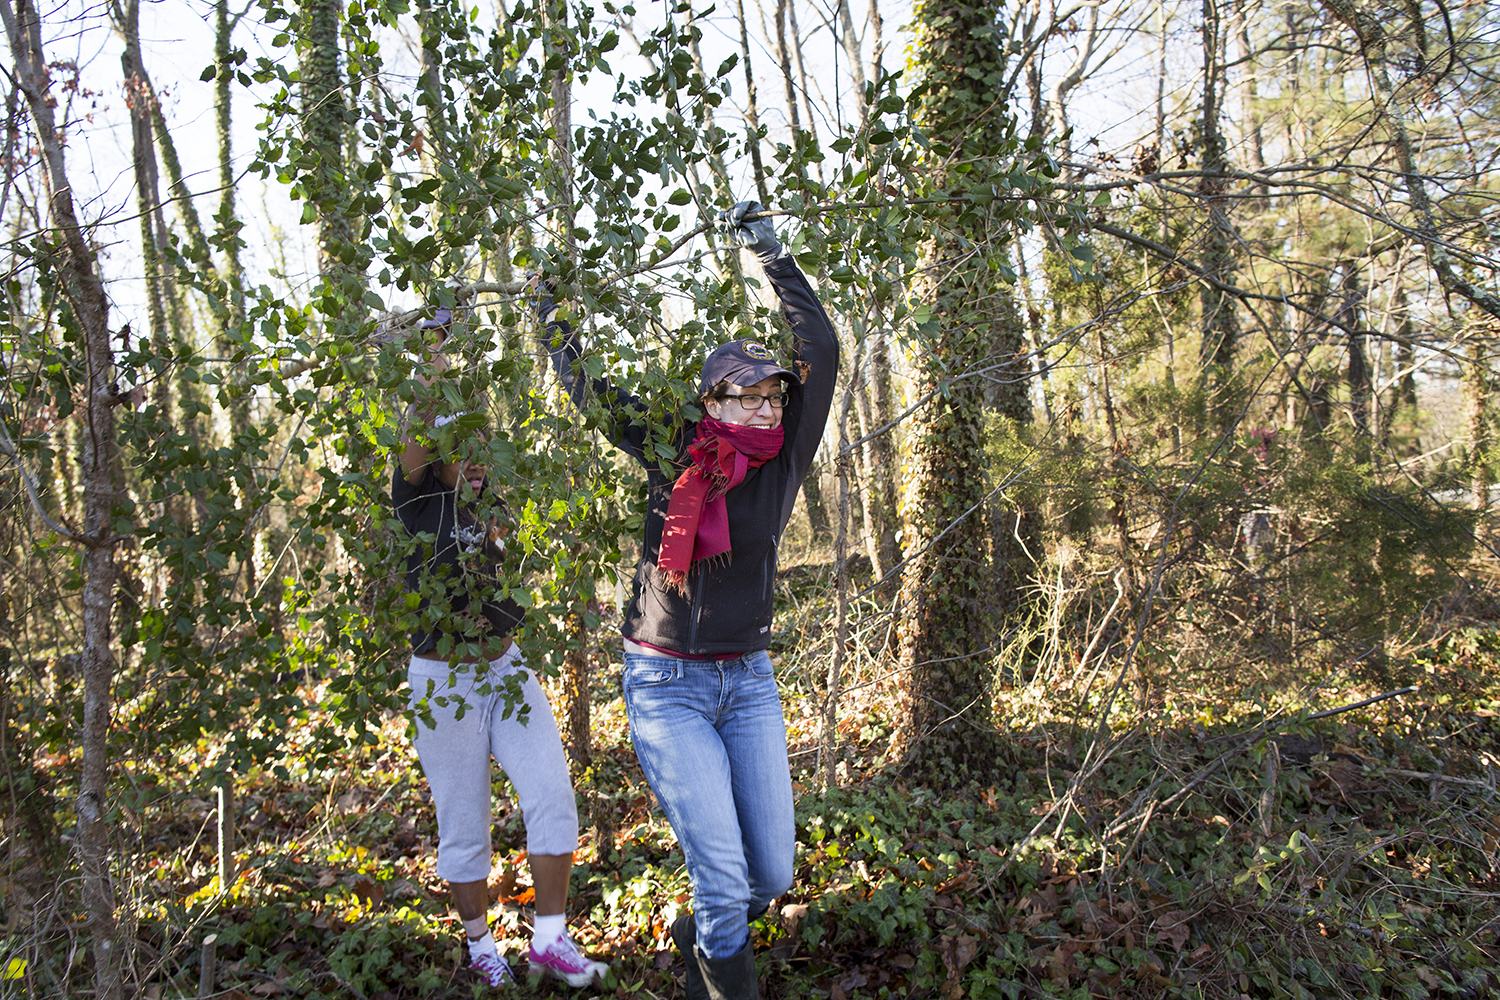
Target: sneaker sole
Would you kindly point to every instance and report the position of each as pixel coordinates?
(573, 979)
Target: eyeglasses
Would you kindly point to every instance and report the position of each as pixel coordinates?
(751, 401)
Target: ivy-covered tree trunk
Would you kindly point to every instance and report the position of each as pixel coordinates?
(1476, 415)
(1359, 372)
(1219, 321)
(950, 588)
(323, 128)
(227, 218)
(99, 465)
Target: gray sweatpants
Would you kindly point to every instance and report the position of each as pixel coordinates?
(455, 753)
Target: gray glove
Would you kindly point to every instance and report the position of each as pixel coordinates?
(758, 234)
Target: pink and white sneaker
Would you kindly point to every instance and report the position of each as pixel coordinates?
(493, 970)
(562, 960)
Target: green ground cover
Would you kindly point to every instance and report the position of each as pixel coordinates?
(1211, 844)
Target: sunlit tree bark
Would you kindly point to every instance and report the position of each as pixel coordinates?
(98, 459)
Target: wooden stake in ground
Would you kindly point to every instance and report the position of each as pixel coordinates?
(226, 835)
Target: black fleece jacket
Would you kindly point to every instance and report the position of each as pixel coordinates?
(728, 607)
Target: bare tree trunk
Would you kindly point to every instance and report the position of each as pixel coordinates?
(1250, 113)
(784, 59)
(828, 738)
(802, 84)
(1368, 27)
(99, 461)
(1359, 369)
(577, 732)
(752, 111)
(881, 513)
(850, 43)
(1069, 80)
(1403, 401)
(1118, 513)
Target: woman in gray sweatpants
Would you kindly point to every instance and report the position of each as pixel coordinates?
(473, 700)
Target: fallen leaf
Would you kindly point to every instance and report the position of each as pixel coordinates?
(1092, 915)
(369, 890)
(853, 981)
(1173, 927)
(963, 951)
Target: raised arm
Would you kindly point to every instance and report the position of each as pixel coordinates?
(815, 356)
(626, 413)
(815, 351)
(415, 453)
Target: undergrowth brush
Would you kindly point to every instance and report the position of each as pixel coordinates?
(1205, 842)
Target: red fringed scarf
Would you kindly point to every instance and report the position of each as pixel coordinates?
(697, 525)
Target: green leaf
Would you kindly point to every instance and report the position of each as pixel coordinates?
(680, 197)
(505, 187)
(209, 72)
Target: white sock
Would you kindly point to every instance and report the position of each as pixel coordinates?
(545, 930)
(481, 941)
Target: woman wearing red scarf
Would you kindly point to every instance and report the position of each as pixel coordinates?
(705, 715)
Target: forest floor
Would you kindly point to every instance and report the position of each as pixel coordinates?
(1210, 845)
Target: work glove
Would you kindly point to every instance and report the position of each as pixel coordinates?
(758, 234)
(541, 294)
(441, 323)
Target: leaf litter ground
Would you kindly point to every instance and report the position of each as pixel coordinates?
(1217, 851)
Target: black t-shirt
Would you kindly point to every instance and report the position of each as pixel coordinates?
(456, 556)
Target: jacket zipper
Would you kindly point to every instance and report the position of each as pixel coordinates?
(768, 572)
(697, 610)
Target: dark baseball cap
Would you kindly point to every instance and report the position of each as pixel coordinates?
(742, 362)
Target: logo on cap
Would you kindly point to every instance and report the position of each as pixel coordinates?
(756, 351)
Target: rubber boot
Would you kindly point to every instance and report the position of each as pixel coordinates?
(685, 936)
(731, 978)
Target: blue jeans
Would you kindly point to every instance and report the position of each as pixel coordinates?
(712, 742)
